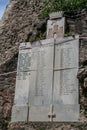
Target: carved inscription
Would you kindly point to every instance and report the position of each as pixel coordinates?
(66, 83)
(65, 87)
(55, 28)
(22, 75)
(65, 57)
(65, 76)
(22, 88)
(41, 77)
(41, 58)
(24, 60)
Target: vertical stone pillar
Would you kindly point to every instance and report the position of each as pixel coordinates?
(55, 26)
(20, 107)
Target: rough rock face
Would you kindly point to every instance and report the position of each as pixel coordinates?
(20, 23)
(77, 24)
(16, 26)
(17, 23)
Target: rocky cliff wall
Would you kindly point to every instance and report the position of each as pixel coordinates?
(20, 23)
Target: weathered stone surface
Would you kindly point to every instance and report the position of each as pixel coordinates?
(22, 88)
(40, 90)
(42, 55)
(66, 54)
(65, 90)
(20, 108)
(40, 61)
(65, 95)
(19, 113)
(39, 113)
(24, 58)
(66, 113)
(55, 29)
(56, 15)
(66, 87)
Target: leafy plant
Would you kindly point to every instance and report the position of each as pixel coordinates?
(85, 112)
(62, 5)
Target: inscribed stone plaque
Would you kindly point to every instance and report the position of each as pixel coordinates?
(20, 108)
(40, 90)
(55, 28)
(66, 87)
(22, 79)
(22, 88)
(65, 94)
(66, 55)
(46, 83)
(42, 58)
(24, 60)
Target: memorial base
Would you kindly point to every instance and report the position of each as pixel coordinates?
(66, 113)
(19, 113)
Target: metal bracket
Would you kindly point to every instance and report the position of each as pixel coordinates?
(52, 115)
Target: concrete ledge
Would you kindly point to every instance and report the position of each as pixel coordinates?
(56, 15)
(19, 113)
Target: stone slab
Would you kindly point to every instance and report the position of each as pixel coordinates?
(40, 90)
(67, 54)
(56, 15)
(42, 58)
(19, 113)
(55, 29)
(35, 91)
(25, 45)
(66, 87)
(24, 60)
(39, 113)
(66, 113)
(22, 88)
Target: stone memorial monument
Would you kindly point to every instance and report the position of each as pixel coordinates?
(46, 82)
(55, 26)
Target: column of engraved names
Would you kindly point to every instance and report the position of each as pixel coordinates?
(67, 84)
(23, 64)
(24, 60)
(66, 62)
(40, 75)
(67, 58)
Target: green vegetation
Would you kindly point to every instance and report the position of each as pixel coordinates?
(62, 5)
(85, 112)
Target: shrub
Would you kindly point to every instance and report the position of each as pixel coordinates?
(62, 5)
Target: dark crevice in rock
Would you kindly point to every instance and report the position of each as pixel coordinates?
(10, 65)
